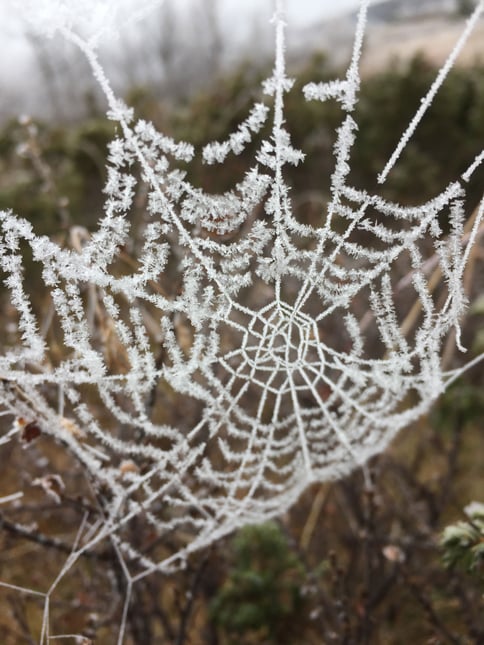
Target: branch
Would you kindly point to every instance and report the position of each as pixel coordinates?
(44, 540)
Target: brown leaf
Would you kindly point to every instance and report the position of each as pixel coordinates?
(128, 466)
(52, 485)
(29, 430)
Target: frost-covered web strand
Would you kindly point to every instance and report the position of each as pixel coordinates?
(121, 113)
(473, 167)
(344, 91)
(429, 97)
(352, 76)
(217, 152)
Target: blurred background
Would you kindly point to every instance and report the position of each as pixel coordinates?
(182, 46)
(347, 565)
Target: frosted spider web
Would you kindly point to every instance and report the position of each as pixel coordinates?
(284, 343)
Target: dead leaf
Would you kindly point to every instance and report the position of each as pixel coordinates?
(52, 485)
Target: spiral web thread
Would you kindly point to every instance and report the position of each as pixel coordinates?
(303, 382)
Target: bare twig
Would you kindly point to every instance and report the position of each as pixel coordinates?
(44, 540)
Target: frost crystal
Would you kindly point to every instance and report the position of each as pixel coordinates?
(286, 343)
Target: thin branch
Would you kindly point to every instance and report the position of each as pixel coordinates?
(44, 540)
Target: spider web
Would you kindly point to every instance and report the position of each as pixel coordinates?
(286, 342)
